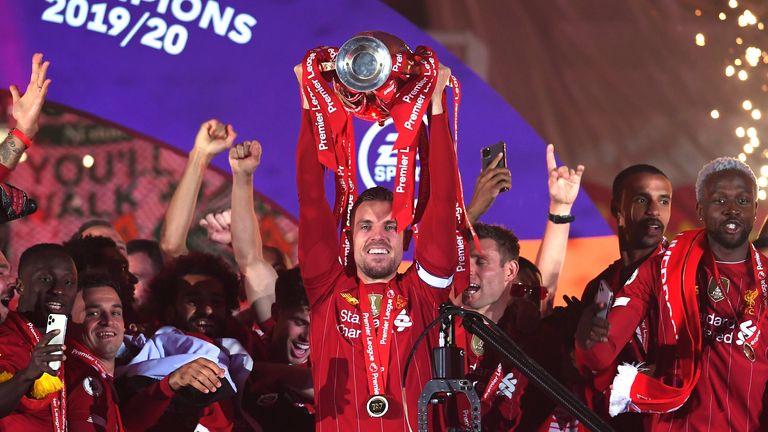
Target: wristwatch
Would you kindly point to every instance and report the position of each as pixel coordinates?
(561, 219)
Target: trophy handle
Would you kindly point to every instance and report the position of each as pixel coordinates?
(410, 67)
(327, 66)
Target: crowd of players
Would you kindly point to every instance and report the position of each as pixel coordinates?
(163, 338)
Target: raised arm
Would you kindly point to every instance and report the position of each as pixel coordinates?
(489, 184)
(213, 138)
(564, 186)
(259, 276)
(435, 250)
(318, 236)
(26, 111)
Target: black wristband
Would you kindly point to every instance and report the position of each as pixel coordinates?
(561, 219)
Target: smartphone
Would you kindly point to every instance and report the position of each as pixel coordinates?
(604, 295)
(56, 322)
(490, 153)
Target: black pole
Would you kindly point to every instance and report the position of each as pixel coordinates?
(535, 373)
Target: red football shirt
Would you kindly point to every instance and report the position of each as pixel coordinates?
(91, 399)
(15, 353)
(266, 400)
(597, 384)
(730, 391)
(338, 362)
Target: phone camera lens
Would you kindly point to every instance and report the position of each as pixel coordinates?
(486, 152)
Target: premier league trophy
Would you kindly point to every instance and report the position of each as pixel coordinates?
(369, 69)
(373, 76)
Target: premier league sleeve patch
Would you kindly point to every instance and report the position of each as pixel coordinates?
(93, 386)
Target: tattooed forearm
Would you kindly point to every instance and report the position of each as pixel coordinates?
(10, 152)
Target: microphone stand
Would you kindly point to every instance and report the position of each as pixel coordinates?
(449, 379)
(474, 323)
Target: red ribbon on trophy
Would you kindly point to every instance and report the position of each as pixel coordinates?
(375, 76)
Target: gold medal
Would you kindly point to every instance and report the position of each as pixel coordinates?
(377, 406)
(477, 346)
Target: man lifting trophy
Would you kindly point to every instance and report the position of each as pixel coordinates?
(366, 316)
(373, 76)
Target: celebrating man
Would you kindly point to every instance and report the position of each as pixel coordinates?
(709, 295)
(30, 392)
(641, 203)
(92, 401)
(191, 369)
(358, 366)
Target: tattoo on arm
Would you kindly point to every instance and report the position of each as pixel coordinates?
(10, 152)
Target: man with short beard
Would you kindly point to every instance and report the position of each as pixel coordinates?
(709, 295)
(30, 392)
(91, 351)
(641, 203)
(351, 392)
(196, 294)
(512, 296)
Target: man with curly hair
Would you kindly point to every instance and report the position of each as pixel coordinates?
(195, 295)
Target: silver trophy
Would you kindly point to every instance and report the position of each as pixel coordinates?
(369, 69)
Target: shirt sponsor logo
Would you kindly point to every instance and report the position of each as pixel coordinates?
(719, 329)
(402, 321)
(349, 325)
(746, 330)
(508, 385)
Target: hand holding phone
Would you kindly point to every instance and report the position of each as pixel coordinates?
(495, 152)
(56, 322)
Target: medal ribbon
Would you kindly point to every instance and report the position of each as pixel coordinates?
(334, 137)
(759, 273)
(493, 384)
(59, 402)
(377, 344)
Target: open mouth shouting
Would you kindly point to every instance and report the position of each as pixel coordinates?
(731, 227)
(470, 293)
(299, 350)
